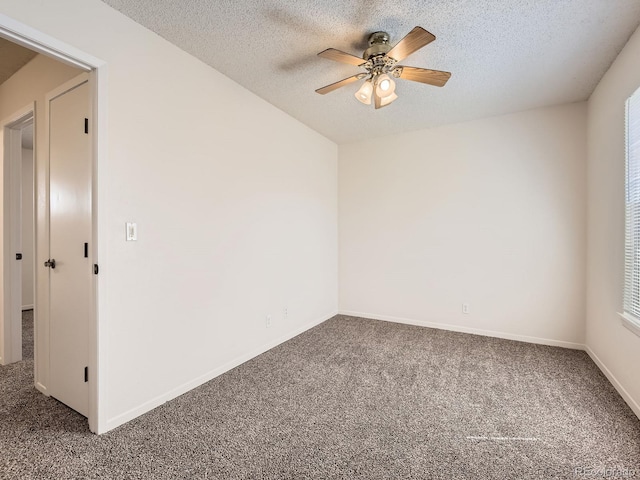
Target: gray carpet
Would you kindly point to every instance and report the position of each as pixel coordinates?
(351, 398)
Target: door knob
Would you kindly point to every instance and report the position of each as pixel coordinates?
(50, 263)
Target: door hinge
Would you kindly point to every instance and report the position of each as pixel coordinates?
(86, 125)
(95, 269)
(86, 374)
(18, 256)
(86, 250)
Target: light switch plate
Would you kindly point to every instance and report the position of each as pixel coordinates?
(132, 232)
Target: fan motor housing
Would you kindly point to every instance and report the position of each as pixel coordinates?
(378, 45)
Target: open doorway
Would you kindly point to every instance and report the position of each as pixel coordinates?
(25, 196)
(18, 170)
(20, 167)
(28, 248)
(28, 219)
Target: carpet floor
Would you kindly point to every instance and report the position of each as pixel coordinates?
(350, 398)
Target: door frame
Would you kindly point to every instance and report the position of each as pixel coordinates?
(40, 42)
(11, 282)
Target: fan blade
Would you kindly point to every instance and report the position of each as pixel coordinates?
(342, 57)
(423, 75)
(415, 40)
(341, 83)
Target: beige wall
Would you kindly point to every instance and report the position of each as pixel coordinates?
(490, 213)
(236, 206)
(615, 347)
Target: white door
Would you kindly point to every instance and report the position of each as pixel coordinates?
(70, 267)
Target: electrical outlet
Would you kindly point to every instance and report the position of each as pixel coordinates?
(285, 312)
(465, 308)
(268, 321)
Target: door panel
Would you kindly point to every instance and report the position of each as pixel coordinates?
(69, 230)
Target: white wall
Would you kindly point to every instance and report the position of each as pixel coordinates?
(236, 206)
(612, 345)
(490, 213)
(28, 250)
(30, 84)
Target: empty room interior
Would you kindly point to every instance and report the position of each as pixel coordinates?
(325, 239)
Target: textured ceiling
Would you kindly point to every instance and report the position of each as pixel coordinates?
(12, 58)
(505, 55)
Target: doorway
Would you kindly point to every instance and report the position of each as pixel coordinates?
(19, 244)
(65, 199)
(9, 330)
(28, 218)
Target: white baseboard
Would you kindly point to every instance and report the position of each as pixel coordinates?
(614, 381)
(41, 388)
(474, 331)
(196, 382)
(27, 307)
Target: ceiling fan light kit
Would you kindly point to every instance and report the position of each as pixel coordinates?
(380, 62)
(384, 85)
(364, 93)
(384, 101)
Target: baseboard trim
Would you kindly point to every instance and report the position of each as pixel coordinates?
(27, 307)
(473, 331)
(42, 389)
(614, 381)
(196, 382)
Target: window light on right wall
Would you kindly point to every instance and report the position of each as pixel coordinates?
(631, 313)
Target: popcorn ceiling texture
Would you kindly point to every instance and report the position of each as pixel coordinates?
(505, 55)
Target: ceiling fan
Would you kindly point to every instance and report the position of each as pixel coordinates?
(380, 62)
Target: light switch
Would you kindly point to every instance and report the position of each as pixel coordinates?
(132, 232)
